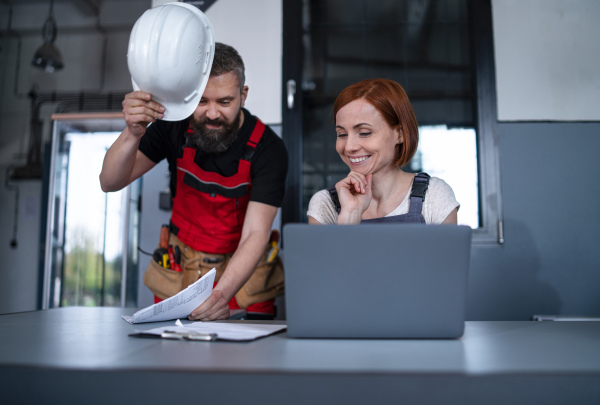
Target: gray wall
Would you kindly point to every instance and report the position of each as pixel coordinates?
(155, 181)
(550, 262)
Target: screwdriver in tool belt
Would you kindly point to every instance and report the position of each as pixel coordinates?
(274, 242)
(161, 254)
(164, 236)
(174, 257)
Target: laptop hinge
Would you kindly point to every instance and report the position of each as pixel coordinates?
(500, 231)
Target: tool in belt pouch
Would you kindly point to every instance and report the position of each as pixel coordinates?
(265, 283)
(164, 275)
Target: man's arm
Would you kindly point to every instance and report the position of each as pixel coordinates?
(255, 235)
(123, 162)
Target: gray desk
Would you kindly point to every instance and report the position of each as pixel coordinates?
(85, 356)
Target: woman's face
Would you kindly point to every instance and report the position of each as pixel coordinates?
(365, 142)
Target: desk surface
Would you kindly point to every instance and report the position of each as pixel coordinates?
(71, 342)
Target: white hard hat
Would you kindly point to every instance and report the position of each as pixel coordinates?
(170, 54)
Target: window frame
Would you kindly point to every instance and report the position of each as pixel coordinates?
(490, 196)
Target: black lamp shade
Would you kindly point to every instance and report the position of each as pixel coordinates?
(48, 57)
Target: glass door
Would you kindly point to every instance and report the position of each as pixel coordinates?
(92, 236)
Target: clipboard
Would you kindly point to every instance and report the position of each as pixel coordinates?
(240, 331)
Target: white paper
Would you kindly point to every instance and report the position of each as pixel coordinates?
(225, 331)
(177, 306)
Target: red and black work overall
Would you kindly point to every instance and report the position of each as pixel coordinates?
(209, 209)
(414, 215)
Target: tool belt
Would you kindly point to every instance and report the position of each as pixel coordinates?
(265, 283)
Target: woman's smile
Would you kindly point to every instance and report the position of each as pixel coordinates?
(358, 159)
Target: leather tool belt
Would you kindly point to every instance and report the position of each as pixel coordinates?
(267, 281)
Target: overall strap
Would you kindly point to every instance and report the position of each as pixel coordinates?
(334, 197)
(417, 194)
(252, 144)
(189, 142)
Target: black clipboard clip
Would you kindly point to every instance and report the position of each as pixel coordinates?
(168, 334)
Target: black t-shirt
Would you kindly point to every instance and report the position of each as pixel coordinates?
(268, 169)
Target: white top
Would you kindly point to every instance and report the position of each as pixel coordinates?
(439, 203)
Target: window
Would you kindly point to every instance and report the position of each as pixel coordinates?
(92, 236)
(441, 53)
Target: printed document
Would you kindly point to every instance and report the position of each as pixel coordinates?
(177, 306)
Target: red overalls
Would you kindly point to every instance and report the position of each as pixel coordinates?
(209, 209)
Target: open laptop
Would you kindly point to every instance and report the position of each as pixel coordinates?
(376, 280)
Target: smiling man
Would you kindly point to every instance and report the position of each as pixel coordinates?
(228, 175)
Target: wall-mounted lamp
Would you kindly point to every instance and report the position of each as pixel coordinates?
(48, 56)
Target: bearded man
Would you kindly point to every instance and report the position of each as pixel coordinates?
(228, 175)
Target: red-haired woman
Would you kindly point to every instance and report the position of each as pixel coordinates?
(377, 134)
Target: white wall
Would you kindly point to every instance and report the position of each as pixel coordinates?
(255, 29)
(547, 59)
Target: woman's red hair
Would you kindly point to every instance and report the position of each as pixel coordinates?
(390, 99)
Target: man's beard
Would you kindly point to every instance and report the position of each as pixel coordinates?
(215, 140)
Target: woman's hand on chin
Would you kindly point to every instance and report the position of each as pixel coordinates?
(354, 193)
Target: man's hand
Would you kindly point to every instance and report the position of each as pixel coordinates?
(123, 162)
(215, 307)
(139, 111)
(255, 235)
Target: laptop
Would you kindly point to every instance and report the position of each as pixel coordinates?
(376, 280)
